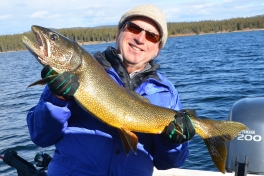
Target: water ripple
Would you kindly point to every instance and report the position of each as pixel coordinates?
(210, 72)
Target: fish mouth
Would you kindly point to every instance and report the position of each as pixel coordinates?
(54, 49)
(38, 49)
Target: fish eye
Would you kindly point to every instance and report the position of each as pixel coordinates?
(54, 37)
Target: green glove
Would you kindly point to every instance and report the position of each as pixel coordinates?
(64, 85)
(181, 123)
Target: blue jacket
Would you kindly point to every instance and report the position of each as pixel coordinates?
(86, 146)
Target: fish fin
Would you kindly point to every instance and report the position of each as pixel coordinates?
(43, 81)
(133, 93)
(129, 140)
(218, 151)
(191, 112)
(215, 135)
(178, 130)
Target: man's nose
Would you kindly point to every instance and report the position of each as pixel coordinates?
(141, 37)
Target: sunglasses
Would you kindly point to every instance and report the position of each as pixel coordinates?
(135, 29)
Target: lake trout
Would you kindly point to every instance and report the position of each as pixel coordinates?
(117, 106)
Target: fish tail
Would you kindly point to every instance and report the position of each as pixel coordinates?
(215, 135)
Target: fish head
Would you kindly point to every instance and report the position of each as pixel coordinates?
(53, 49)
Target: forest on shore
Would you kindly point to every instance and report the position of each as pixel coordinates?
(108, 33)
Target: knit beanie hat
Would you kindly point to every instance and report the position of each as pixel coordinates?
(149, 11)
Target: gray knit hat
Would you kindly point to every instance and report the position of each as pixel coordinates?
(149, 11)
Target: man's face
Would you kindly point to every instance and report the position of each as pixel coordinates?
(135, 48)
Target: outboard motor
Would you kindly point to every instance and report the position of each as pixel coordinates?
(246, 151)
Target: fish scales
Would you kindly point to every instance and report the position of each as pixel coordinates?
(116, 105)
(148, 119)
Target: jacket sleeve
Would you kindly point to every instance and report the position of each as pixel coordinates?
(168, 155)
(48, 119)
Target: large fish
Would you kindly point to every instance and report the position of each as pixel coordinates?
(116, 105)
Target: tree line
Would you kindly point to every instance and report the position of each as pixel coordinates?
(108, 33)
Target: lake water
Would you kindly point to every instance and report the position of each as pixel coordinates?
(210, 72)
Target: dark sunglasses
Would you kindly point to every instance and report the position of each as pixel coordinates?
(135, 29)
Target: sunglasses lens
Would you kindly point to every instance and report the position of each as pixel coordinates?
(152, 37)
(135, 29)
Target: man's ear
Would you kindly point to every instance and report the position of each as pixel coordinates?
(118, 34)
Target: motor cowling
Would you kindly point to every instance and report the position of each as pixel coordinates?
(248, 146)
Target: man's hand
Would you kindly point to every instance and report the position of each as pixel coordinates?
(64, 85)
(181, 124)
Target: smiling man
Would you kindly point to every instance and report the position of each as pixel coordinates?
(87, 146)
(133, 45)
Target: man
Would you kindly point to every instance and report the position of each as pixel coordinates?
(85, 145)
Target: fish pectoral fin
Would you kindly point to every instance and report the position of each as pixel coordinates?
(178, 130)
(129, 140)
(43, 81)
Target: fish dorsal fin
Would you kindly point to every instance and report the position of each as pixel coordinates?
(138, 96)
(43, 81)
(129, 140)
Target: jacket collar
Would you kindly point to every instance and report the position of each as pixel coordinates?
(109, 58)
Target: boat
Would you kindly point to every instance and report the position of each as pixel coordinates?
(246, 151)
(190, 172)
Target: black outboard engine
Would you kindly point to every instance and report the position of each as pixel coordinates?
(246, 151)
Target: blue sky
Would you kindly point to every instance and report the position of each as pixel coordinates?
(17, 16)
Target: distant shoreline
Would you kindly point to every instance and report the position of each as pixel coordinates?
(221, 32)
(94, 42)
(177, 35)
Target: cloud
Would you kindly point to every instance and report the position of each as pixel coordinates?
(4, 17)
(16, 16)
(201, 6)
(242, 7)
(40, 14)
